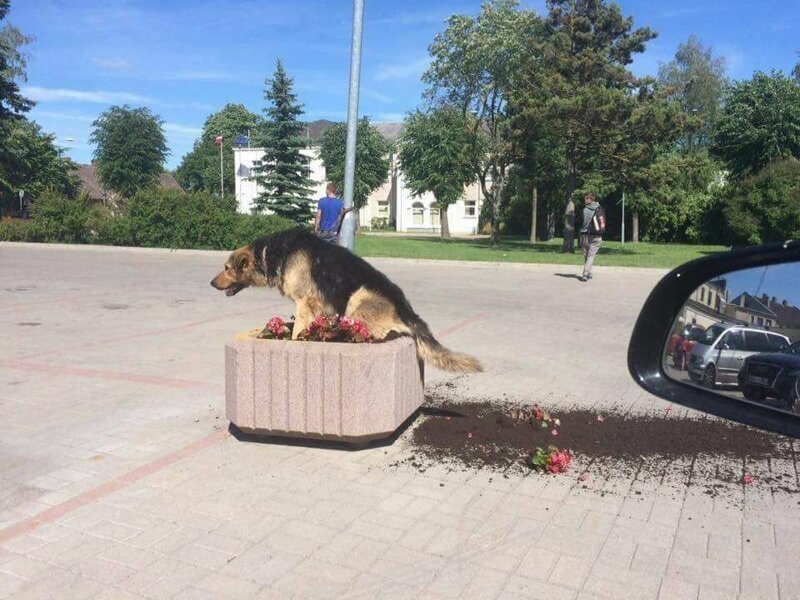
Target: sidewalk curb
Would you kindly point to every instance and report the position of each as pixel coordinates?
(373, 259)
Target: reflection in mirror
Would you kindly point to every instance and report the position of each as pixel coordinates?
(739, 334)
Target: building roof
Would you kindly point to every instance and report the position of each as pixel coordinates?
(87, 175)
(316, 129)
(753, 305)
(788, 315)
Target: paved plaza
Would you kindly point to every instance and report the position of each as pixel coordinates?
(119, 478)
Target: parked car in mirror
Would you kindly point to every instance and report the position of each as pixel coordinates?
(718, 357)
(682, 342)
(773, 375)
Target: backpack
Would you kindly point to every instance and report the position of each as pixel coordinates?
(597, 226)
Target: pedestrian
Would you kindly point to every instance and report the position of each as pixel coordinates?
(593, 226)
(330, 211)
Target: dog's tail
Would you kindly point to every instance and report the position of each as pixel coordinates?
(429, 349)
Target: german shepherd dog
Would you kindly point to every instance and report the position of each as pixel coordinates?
(323, 278)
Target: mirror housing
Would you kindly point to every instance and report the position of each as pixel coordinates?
(656, 323)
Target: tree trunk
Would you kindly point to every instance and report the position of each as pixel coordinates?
(635, 227)
(569, 210)
(534, 210)
(445, 225)
(551, 224)
(495, 218)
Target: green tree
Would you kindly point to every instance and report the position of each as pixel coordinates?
(765, 207)
(697, 80)
(283, 172)
(576, 81)
(372, 158)
(474, 64)
(760, 123)
(130, 149)
(12, 67)
(199, 168)
(32, 161)
(436, 156)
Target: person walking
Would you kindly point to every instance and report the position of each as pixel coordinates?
(593, 226)
(330, 211)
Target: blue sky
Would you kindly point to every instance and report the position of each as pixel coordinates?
(781, 281)
(185, 59)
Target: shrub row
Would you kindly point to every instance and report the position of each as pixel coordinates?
(163, 219)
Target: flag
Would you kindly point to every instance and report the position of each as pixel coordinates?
(241, 140)
(218, 140)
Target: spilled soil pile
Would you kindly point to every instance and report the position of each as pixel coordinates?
(502, 437)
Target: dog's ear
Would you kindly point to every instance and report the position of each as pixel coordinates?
(243, 260)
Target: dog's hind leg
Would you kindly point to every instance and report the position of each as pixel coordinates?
(377, 313)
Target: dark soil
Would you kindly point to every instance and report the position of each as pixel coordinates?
(501, 436)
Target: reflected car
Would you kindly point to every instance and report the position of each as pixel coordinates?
(773, 375)
(682, 343)
(720, 354)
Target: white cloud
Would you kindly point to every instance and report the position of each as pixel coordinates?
(182, 129)
(43, 94)
(112, 64)
(390, 117)
(404, 70)
(385, 98)
(61, 115)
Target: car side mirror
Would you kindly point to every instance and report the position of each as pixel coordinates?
(722, 291)
(726, 346)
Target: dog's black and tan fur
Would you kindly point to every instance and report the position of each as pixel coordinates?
(325, 279)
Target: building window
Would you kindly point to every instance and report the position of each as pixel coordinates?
(417, 213)
(307, 168)
(383, 207)
(469, 208)
(435, 221)
(702, 294)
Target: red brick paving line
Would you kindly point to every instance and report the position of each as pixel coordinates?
(154, 332)
(66, 299)
(19, 365)
(116, 484)
(462, 324)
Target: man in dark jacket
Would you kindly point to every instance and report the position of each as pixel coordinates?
(592, 227)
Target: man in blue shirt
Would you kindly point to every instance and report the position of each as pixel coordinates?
(329, 215)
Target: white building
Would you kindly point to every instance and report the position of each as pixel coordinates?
(391, 204)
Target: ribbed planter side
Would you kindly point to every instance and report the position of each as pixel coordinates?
(321, 390)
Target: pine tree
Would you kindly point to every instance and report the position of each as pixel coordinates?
(282, 174)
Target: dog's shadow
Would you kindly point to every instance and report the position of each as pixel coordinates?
(567, 275)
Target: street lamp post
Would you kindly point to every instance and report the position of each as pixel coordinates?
(347, 233)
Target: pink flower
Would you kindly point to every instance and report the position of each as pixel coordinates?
(537, 413)
(558, 461)
(320, 321)
(554, 432)
(346, 322)
(666, 410)
(469, 435)
(583, 476)
(600, 418)
(277, 327)
(747, 479)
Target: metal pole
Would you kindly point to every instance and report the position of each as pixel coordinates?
(347, 233)
(623, 217)
(221, 180)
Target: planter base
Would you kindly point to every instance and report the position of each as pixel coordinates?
(351, 393)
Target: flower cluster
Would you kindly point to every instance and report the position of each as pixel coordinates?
(336, 329)
(276, 329)
(550, 460)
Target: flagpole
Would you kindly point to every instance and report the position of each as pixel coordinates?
(221, 180)
(348, 230)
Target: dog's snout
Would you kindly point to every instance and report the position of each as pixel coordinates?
(213, 283)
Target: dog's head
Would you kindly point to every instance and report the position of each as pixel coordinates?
(239, 272)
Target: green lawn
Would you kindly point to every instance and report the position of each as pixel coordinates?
(521, 250)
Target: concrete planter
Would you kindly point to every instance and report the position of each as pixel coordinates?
(336, 391)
